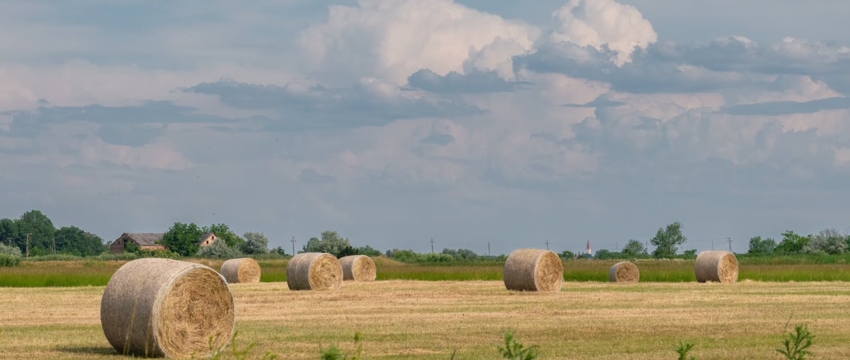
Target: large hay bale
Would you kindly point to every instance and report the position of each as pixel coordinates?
(624, 271)
(161, 307)
(244, 270)
(533, 270)
(716, 265)
(314, 271)
(358, 268)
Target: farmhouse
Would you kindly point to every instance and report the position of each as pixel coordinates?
(145, 241)
(207, 239)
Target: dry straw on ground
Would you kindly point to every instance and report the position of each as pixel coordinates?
(314, 271)
(161, 307)
(533, 270)
(717, 266)
(624, 271)
(245, 270)
(358, 268)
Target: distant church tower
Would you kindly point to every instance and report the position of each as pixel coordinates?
(587, 250)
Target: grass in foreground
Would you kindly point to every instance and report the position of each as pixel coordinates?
(433, 320)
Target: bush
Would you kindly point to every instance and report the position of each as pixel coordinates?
(54, 257)
(9, 260)
(10, 250)
(218, 250)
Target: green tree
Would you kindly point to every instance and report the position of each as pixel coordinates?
(566, 254)
(667, 239)
(218, 250)
(41, 230)
(72, 240)
(255, 243)
(368, 251)
(461, 254)
(182, 238)
(792, 243)
(634, 248)
(331, 243)
(759, 246)
(10, 232)
(223, 232)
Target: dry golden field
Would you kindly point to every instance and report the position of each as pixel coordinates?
(432, 319)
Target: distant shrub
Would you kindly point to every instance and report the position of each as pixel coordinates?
(9, 260)
(218, 250)
(10, 250)
(54, 257)
(119, 256)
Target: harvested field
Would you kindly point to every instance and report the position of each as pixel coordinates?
(430, 319)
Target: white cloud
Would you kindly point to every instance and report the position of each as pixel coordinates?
(598, 23)
(394, 39)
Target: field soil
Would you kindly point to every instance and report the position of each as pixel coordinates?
(401, 319)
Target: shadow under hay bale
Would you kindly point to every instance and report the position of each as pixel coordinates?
(533, 270)
(244, 270)
(625, 272)
(314, 271)
(162, 307)
(716, 266)
(358, 268)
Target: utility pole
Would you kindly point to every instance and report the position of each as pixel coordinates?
(547, 244)
(293, 246)
(488, 249)
(432, 245)
(729, 239)
(28, 245)
(53, 239)
(712, 244)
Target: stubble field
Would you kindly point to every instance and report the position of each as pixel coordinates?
(405, 319)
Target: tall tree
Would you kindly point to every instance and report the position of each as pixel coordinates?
(792, 243)
(332, 243)
(255, 243)
(73, 240)
(40, 230)
(634, 248)
(667, 239)
(183, 238)
(10, 232)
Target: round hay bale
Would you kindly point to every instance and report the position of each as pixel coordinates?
(358, 268)
(716, 265)
(245, 270)
(162, 307)
(624, 271)
(533, 270)
(314, 271)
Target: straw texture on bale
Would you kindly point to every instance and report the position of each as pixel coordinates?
(245, 270)
(358, 268)
(314, 271)
(624, 271)
(716, 266)
(162, 307)
(533, 270)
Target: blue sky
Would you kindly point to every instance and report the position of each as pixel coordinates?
(393, 122)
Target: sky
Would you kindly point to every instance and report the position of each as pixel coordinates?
(487, 125)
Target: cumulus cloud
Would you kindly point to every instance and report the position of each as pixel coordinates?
(603, 24)
(456, 83)
(394, 39)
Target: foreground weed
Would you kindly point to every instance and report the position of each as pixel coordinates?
(797, 343)
(683, 349)
(235, 352)
(515, 350)
(333, 353)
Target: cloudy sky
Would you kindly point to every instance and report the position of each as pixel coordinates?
(395, 121)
